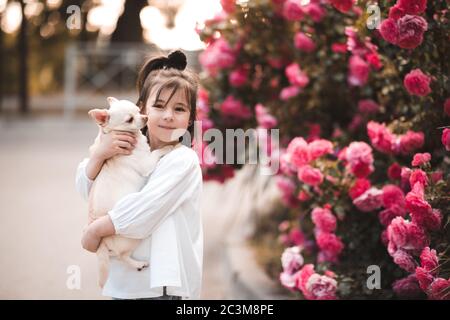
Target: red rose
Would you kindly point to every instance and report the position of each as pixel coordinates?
(412, 6)
(343, 5)
(394, 171)
(446, 139)
(392, 195)
(410, 31)
(360, 186)
(389, 30)
(417, 83)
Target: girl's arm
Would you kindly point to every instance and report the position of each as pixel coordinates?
(138, 214)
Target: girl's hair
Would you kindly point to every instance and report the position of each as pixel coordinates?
(168, 73)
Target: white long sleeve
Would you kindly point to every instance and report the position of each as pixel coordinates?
(174, 180)
(82, 183)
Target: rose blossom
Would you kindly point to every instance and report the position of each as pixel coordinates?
(412, 6)
(387, 215)
(296, 76)
(323, 219)
(393, 195)
(238, 77)
(424, 277)
(289, 92)
(320, 148)
(409, 142)
(292, 10)
(417, 83)
(321, 287)
(439, 289)
(447, 107)
(369, 200)
(404, 260)
(407, 287)
(418, 176)
(291, 259)
(234, 107)
(396, 12)
(264, 118)
(343, 5)
(358, 71)
(303, 276)
(329, 243)
(310, 175)
(360, 186)
(429, 259)
(360, 159)
(445, 139)
(410, 31)
(368, 106)
(420, 159)
(380, 137)
(394, 171)
(299, 152)
(303, 42)
(389, 30)
(315, 11)
(405, 235)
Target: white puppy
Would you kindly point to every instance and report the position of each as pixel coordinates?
(119, 176)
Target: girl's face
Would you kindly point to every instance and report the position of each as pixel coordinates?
(167, 121)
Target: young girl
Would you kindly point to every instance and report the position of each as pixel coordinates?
(166, 212)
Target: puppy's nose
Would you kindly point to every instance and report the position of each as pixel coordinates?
(144, 118)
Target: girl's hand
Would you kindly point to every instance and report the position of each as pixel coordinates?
(90, 240)
(113, 143)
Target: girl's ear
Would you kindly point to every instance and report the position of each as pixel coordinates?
(100, 116)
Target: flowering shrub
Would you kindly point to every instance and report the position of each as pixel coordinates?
(363, 116)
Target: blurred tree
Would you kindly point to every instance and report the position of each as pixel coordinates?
(23, 64)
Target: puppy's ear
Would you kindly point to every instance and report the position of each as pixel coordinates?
(111, 100)
(101, 116)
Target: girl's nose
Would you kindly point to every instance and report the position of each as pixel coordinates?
(168, 114)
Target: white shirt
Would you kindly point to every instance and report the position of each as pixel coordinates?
(166, 215)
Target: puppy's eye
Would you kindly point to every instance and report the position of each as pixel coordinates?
(130, 120)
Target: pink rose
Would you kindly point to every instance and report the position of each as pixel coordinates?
(368, 106)
(287, 188)
(303, 42)
(330, 243)
(439, 289)
(289, 92)
(218, 55)
(410, 31)
(445, 139)
(436, 176)
(323, 219)
(412, 6)
(228, 5)
(415, 201)
(396, 12)
(264, 118)
(404, 260)
(418, 176)
(420, 159)
(310, 175)
(424, 277)
(343, 5)
(292, 10)
(358, 71)
(315, 11)
(430, 220)
(359, 187)
(288, 280)
(238, 77)
(394, 171)
(359, 159)
(296, 76)
(321, 288)
(447, 107)
(407, 287)
(405, 235)
(380, 137)
(409, 142)
(369, 200)
(303, 196)
(234, 107)
(428, 259)
(320, 148)
(303, 276)
(393, 195)
(291, 259)
(389, 30)
(299, 152)
(417, 83)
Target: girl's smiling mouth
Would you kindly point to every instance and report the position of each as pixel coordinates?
(165, 127)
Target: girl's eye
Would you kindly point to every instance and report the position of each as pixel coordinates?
(180, 109)
(158, 106)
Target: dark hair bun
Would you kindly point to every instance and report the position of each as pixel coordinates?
(177, 60)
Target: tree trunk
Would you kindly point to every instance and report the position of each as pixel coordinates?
(23, 63)
(129, 27)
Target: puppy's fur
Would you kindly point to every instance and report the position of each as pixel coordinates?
(119, 176)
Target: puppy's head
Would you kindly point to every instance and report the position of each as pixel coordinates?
(122, 115)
